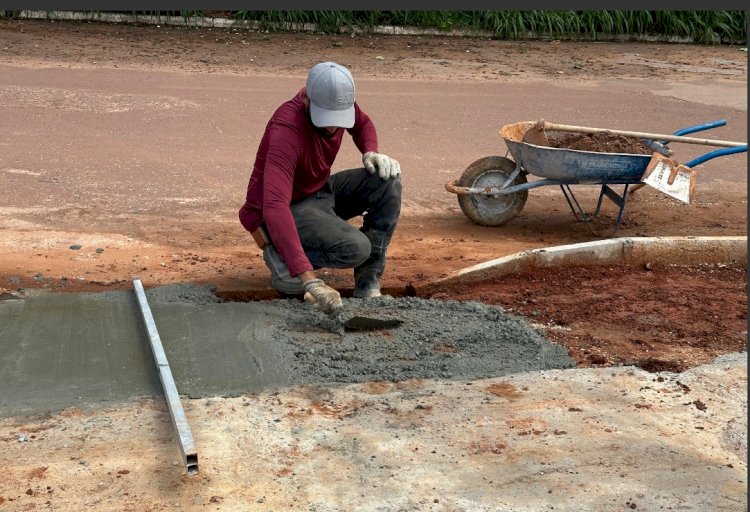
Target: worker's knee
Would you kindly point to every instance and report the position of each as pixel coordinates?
(385, 198)
(387, 189)
(358, 249)
(393, 189)
(345, 248)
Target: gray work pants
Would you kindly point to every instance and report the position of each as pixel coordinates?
(327, 239)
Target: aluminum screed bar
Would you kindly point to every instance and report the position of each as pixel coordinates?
(179, 421)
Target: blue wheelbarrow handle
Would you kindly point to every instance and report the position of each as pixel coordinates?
(701, 127)
(715, 153)
(696, 128)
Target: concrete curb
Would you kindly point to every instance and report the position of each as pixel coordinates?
(690, 250)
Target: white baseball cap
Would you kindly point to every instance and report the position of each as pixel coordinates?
(330, 88)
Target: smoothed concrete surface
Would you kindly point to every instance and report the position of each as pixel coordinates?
(64, 350)
(60, 350)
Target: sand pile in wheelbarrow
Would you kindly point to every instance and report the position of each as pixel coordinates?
(599, 142)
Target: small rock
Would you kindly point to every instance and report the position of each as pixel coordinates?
(379, 57)
(647, 266)
(21, 438)
(99, 250)
(75, 247)
(337, 44)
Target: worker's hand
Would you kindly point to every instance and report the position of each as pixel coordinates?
(386, 166)
(322, 295)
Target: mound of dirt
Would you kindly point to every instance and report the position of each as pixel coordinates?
(659, 318)
(600, 143)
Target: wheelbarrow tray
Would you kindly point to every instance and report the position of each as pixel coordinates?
(572, 166)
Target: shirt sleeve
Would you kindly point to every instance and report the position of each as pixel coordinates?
(363, 132)
(284, 150)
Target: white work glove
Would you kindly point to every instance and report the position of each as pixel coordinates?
(322, 295)
(386, 166)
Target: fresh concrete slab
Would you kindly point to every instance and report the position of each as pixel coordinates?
(61, 350)
(64, 350)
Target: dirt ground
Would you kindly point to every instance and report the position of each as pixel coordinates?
(48, 213)
(660, 318)
(593, 440)
(99, 184)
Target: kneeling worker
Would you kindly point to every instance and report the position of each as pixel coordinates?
(297, 210)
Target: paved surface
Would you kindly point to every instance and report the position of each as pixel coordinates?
(151, 166)
(150, 131)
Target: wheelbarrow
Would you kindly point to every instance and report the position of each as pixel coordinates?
(494, 189)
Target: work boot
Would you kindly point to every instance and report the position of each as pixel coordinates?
(281, 279)
(367, 275)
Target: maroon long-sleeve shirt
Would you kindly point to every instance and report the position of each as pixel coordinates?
(293, 162)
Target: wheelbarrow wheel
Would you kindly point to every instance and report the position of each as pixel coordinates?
(491, 210)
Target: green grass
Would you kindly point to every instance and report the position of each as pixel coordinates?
(708, 27)
(702, 26)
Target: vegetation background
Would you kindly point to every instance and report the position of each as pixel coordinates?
(706, 27)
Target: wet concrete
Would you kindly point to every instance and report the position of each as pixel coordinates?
(61, 350)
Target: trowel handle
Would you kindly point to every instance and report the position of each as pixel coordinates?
(642, 135)
(310, 299)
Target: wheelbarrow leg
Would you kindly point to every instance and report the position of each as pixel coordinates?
(580, 214)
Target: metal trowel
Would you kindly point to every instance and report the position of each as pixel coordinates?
(343, 320)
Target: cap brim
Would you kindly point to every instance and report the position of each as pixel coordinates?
(323, 118)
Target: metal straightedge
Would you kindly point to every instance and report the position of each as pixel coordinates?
(179, 421)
